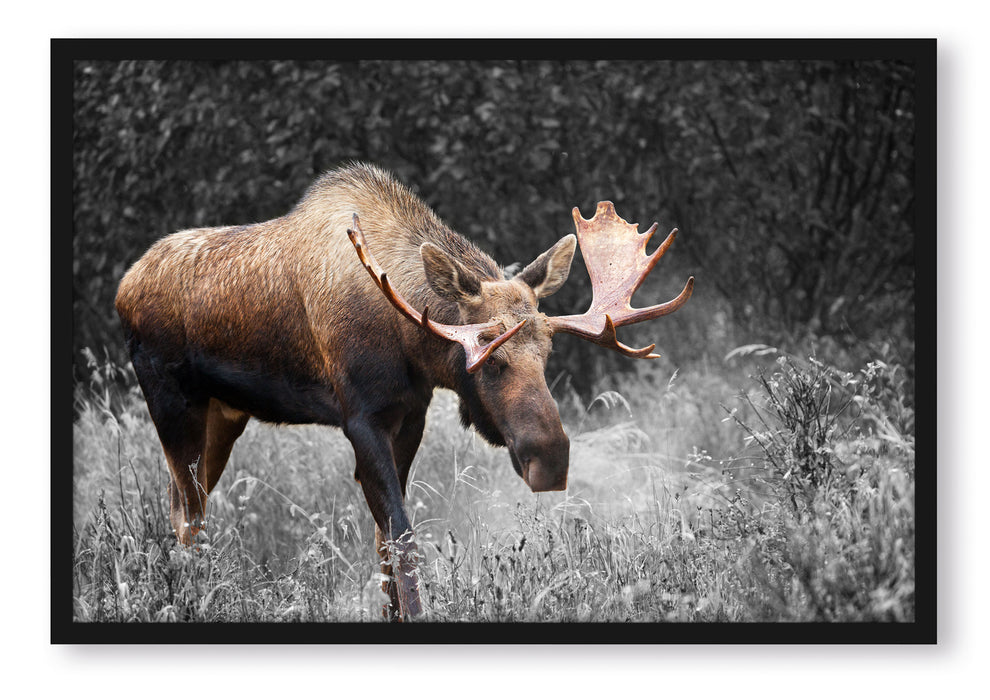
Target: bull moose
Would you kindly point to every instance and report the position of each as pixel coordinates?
(282, 321)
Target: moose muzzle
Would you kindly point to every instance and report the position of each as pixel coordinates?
(542, 463)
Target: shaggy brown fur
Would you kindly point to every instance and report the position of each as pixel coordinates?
(280, 321)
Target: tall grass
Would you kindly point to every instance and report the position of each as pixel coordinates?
(687, 501)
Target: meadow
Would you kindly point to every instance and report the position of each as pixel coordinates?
(770, 487)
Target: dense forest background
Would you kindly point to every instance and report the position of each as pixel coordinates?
(791, 181)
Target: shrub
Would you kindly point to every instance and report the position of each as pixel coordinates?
(836, 541)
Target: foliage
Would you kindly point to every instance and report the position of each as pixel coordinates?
(811, 165)
(790, 181)
(838, 532)
(810, 518)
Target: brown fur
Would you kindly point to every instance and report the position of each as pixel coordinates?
(279, 320)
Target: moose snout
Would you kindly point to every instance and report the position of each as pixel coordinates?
(544, 463)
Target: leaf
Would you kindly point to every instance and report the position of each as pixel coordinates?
(757, 349)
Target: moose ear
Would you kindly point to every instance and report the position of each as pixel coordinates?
(447, 277)
(548, 272)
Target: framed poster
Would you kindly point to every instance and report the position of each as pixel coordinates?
(755, 482)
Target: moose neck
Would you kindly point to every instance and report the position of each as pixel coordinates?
(441, 360)
(436, 359)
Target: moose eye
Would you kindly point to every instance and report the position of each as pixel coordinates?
(493, 366)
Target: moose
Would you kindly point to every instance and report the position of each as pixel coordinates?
(283, 322)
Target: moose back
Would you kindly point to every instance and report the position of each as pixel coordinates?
(349, 311)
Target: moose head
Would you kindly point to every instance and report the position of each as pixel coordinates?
(507, 340)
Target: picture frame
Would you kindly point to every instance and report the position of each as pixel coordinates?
(67, 53)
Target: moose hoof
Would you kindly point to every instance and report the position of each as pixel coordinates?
(185, 531)
(409, 603)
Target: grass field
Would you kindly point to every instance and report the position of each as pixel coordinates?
(725, 494)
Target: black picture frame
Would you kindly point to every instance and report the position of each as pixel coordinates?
(921, 52)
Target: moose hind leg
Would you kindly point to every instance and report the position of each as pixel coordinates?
(183, 438)
(223, 426)
(181, 423)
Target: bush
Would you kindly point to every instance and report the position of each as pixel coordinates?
(836, 539)
(791, 181)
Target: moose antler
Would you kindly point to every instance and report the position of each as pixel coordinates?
(615, 254)
(467, 335)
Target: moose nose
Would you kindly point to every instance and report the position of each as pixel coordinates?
(539, 478)
(545, 467)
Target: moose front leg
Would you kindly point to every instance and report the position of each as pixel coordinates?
(376, 470)
(404, 451)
